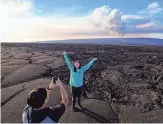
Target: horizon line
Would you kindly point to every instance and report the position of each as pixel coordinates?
(82, 39)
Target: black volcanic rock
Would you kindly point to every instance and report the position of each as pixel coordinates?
(129, 76)
(25, 73)
(95, 111)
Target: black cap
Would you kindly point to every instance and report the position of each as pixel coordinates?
(36, 98)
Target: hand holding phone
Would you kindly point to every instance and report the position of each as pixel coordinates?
(52, 83)
(54, 78)
(56, 81)
(59, 82)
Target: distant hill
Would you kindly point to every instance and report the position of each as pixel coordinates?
(114, 41)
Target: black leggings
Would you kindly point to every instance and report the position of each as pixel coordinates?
(76, 92)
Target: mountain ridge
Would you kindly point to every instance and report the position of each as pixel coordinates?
(110, 41)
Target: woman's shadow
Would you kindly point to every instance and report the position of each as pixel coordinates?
(95, 116)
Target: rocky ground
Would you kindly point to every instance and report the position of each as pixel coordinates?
(128, 80)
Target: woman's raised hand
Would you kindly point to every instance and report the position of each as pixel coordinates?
(95, 59)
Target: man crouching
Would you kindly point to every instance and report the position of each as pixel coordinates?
(37, 111)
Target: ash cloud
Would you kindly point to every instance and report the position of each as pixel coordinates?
(109, 20)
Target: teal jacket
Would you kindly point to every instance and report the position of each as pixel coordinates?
(76, 78)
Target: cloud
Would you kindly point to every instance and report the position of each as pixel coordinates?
(146, 25)
(145, 21)
(152, 9)
(19, 22)
(10, 8)
(108, 19)
(136, 17)
(145, 29)
(156, 35)
(153, 5)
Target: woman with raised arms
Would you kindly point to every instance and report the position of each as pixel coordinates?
(76, 79)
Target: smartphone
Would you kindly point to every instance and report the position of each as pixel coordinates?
(56, 77)
(61, 77)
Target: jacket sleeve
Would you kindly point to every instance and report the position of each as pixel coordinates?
(86, 67)
(24, 117)
(70, 66)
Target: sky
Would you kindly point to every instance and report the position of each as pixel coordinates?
(41, 20)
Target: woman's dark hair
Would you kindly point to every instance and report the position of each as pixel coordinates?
(76, 68)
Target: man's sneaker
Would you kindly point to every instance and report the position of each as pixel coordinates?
(80, 107)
